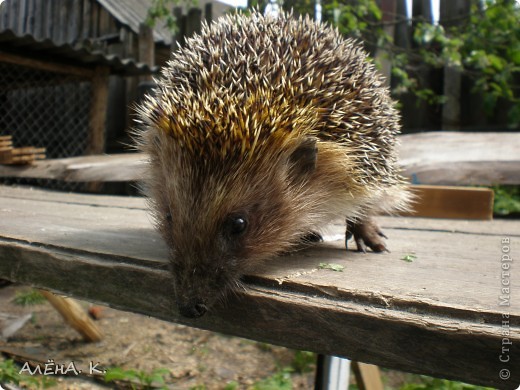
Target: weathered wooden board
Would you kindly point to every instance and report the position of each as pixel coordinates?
(437, 315)
(451, 202)
(440, 158)
(117, 167)
(461, 158)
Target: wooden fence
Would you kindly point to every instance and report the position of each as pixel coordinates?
(463, 110)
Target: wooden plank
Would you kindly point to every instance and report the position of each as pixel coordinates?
(46, 65)
(74, 22)
(94, 19)
(86, 23)
(388, 8)
(39, 15)
(452, 202)
(30, 17)
(451, 13)
(42, 195)
(75, 316)
(193, 21)
(28, 150)
(368, 376)
(426, 158)
(117, 167)
(48, 25)
(60, 33)
(22, 17)
(146, 48)
(415, 316)
(96, 138)
(460, 158)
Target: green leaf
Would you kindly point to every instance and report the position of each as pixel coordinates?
(279, 381)
(409, 258)
(331, 266)
(118, 374)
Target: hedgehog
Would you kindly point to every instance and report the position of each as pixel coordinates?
(262, 130)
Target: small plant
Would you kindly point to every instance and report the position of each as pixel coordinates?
(428, 383)
(507, 200)
(278, 381)
(144, 379)
(409, 257)
(233, 385)
(28, 298)
(304, 361)
(266, 347)
(10, 373)
(332, 267)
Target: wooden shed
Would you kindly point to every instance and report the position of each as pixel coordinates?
(105, 25)
(112, 28)
(56, 96)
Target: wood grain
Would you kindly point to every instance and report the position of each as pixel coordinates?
(461, 158)
(75, 316)
(45, 65)
(439, 158)
(452, 202)
(437, 315)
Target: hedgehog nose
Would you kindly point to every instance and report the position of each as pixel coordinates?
(193, 311)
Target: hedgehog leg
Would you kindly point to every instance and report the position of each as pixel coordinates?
(366, 233)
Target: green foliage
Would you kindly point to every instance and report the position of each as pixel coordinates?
(485, 46)
(303, 361)
(409, 257)
(10, 373)
(161, 10)
(278, 381)
(143, 378)
(428, 383)
(507, 200)
(233, 385)
(28, 298)
(359, 19)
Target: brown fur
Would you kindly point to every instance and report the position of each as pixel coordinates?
(280, 122)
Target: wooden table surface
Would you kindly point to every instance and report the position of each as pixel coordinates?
(442, 314)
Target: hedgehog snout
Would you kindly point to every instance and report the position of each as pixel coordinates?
(192, 309)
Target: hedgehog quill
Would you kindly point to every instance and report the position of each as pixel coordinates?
(261, 131)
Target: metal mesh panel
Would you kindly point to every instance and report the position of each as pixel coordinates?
(45, 109)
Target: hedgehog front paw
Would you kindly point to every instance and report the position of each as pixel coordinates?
(366, 234)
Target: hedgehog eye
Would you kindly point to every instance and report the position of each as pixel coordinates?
(235, 225)
(168, 217)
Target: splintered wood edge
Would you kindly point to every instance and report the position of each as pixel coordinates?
(384, 336)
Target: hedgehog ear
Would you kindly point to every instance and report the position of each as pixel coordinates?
(302, 160)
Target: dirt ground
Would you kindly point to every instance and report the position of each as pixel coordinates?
(195, 358)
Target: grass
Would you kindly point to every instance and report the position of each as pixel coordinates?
(10, 374)
(28, 298)
(428, 383)
(281, 380)
(303, 362)
(138, 378)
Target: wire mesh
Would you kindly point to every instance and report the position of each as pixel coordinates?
(45, 109)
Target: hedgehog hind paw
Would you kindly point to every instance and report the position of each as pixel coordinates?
(366, 233)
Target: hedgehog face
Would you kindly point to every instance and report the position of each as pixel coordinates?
(220, 222)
